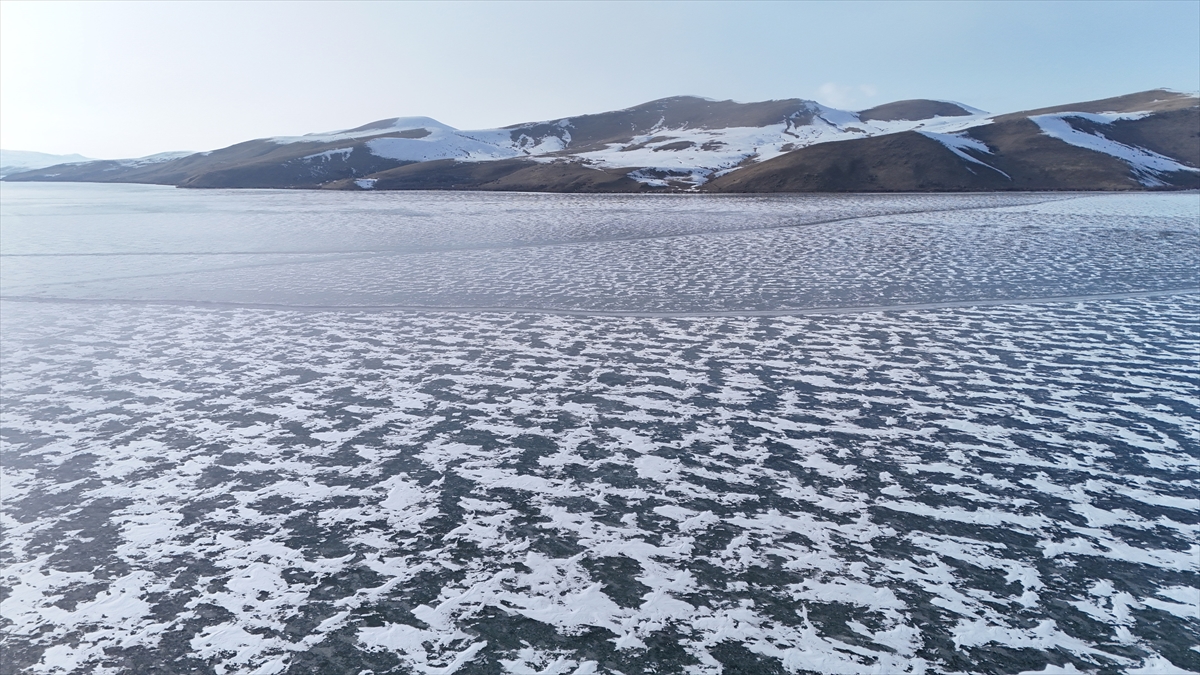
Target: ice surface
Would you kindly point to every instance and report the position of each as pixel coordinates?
(1007, 487)
(621, 253)
(451, 518)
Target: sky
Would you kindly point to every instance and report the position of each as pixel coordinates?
(118, 79)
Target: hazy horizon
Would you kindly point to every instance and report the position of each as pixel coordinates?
(111, 80)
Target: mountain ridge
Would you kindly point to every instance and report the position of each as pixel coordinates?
(1145, 140)
(18, 161)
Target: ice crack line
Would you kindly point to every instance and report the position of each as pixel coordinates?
(474, 309)
(360, 254)
(550, 242)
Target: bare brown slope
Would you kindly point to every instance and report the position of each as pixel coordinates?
(900, 162)
(567, 177)
(910, 161)
(442, 174)
(907, 161)
(1036, 161)
(284, 169)
(1154, 100)
(1175, 133)
(264, 164)
(510, 175)
(252, 164)
(97, 171)
(912, 109)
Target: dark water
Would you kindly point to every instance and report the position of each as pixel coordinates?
(993, 488)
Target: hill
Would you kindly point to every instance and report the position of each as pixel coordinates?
(1147, 140)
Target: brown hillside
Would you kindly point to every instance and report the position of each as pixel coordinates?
(912, 109)
(588, 131)
(906, 161)
(1175, 133)
(1155, 100)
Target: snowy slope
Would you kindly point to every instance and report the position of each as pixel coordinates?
(157, 158)
(419, 139)
(695, 155)
(685, 153)
(1147, 165)
(470, 146)
(959, 143)
(14, 161)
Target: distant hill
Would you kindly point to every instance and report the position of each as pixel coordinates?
(16, 161)
(1147, 140)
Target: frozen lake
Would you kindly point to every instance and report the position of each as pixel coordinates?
(624, 253)
(293, 432)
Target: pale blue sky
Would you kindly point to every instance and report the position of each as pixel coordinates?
(129, 79)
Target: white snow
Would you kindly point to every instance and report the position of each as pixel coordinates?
(155, 159)
(715, 152)
(541, 376)
(341, 153)
(446, 143)
(959, 142)
(649, 156)
(16, 161)
(1147, 165)
(395, 125)
(1157, 665)
(441, 142)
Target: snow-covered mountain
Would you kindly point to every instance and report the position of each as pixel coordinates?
(681, 141)
(1148, 140)
(17, 161)
(1145, 140)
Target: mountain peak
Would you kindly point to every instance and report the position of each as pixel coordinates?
(397, 124)
(915, 109)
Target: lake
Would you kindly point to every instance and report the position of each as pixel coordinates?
(294, 432)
